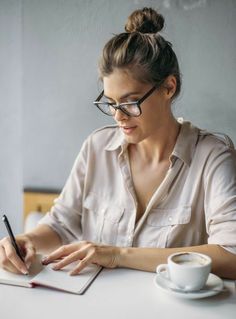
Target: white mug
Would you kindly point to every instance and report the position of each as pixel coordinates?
(188, 271)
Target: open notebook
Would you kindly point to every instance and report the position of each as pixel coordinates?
(40, 275)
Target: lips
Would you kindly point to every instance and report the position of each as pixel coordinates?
(128, 129)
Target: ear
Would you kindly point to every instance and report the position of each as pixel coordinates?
(170, 86)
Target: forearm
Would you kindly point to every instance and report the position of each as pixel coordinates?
(44, 239)
(147, 259)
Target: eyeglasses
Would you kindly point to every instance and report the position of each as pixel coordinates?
(129, 108)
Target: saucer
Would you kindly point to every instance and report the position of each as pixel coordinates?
(213, 286)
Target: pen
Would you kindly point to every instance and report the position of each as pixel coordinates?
(12, 237)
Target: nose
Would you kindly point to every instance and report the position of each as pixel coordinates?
(119, 116)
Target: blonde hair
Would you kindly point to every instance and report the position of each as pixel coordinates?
(142, 51)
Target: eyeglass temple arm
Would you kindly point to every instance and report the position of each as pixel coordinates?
(147, 94)
(99, 97)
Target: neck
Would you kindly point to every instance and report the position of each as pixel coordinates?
(159, 147)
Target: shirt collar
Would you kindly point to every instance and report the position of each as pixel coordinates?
(117, 140)
(186, 142)
(184, 147)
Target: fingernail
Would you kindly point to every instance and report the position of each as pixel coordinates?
(55, 267)
(44, 261)
(25, 272)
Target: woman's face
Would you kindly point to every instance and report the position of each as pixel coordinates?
(156, 109)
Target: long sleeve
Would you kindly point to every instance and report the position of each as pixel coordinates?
(65, 215)
(220, 198)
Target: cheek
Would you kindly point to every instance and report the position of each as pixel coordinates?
(155, 112)
(151, 121)
(149, 116)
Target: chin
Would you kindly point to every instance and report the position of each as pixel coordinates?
(132, 139)
(135, 137)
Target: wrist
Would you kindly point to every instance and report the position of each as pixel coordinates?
(122, 255)
(31, 238)
(44, 239)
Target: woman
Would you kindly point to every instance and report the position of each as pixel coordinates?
(147, 187)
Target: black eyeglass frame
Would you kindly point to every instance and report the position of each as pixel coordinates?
(119, 106)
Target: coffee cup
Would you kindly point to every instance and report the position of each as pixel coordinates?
(186, 271)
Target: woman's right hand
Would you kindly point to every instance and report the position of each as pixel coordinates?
(10, 261)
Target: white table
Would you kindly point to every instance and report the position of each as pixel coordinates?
(115, 294)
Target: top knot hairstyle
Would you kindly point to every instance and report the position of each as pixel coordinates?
(142, 51)
(146, 20)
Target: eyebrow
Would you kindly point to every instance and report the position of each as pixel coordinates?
(124, 95)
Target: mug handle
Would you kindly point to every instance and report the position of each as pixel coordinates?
(159, 270)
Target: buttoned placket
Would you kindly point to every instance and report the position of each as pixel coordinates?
(125, 170)
(156, 199)
(160, 194)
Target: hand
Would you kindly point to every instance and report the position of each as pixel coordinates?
(10, 261)
(85, 253)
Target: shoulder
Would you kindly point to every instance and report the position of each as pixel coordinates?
(209, 146)
(203, 140)
(210, 142)
(211, 138)
(216, 150)
(108, 130)
(99, 140)
(108, 136)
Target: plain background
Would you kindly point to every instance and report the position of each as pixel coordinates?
(48, 61)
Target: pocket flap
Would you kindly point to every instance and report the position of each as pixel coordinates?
(109, 210)
(168, 217)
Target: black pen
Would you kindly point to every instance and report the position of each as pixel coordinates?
(12, 237)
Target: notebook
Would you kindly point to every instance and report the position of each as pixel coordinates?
(40, 275)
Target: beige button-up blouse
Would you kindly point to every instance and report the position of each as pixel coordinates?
(195, 204)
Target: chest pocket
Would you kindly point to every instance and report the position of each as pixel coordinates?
(169, 217)
(161, 222)
(102, 218)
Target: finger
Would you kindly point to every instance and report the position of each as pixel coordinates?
(83, 264)
(68, 260)
(5, 263)
(58, 253)
(14, 258)
(30, 255)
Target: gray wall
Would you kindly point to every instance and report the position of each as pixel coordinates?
(10, 113)
(60, 45)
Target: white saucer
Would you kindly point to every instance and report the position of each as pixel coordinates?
(214, 285)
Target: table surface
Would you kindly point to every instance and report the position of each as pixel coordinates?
(116, 293)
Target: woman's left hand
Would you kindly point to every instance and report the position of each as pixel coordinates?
(85, 253)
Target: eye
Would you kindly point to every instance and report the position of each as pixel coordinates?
(131, 99)
(106, 100)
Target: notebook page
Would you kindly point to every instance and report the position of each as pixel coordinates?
(9, 278)
(60, 279)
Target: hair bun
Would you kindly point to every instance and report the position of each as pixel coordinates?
(146, 20)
